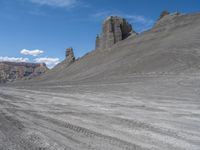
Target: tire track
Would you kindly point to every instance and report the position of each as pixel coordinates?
(84, 133)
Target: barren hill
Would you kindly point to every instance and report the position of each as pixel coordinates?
(170, 47)
(133, 92)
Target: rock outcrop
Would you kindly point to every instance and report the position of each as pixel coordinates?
(115, 29)
(163, 14)
(167, 18)
(70, 58)
(10, 71)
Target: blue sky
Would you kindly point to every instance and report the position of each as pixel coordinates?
(41, 30)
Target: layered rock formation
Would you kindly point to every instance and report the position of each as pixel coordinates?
(115, 29)
(70, 55)
(10, 71)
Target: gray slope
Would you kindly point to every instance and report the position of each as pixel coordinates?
(150, 102)
(171, 46)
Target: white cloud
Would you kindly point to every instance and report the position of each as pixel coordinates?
(31, 52)
(55, 3)
(14, 59)
(50, 62)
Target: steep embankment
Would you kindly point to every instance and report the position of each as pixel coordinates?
(171, 46)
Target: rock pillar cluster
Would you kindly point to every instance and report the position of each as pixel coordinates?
(115, 29)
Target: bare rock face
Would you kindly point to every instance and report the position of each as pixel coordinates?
(163, 14)
(10, 71)
(70, 55)
(115, 29)
(40, 69)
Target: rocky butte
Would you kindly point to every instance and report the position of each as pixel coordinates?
(10, 71)
(114, 29)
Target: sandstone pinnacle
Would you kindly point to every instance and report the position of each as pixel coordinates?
(70, 55)
(114, 29)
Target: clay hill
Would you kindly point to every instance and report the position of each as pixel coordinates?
(10, 71)
(171, 46)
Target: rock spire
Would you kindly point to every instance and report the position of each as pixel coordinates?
(70, 55)
(114, 30)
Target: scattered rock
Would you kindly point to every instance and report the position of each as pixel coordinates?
(167, 18)
(115, 29)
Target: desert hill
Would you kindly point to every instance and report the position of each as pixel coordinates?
(135, 91)
(170, 47)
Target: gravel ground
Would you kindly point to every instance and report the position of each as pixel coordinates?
(152, 112)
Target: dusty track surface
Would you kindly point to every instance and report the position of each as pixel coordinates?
(144, 113)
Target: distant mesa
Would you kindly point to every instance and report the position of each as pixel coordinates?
(10, 71)
(114, 29)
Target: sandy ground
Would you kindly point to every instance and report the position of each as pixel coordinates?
(152, 112)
